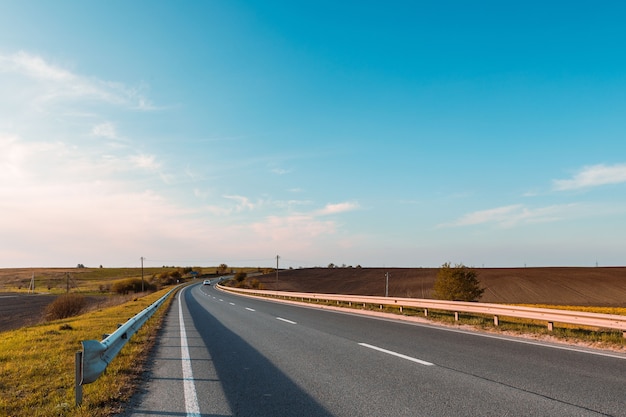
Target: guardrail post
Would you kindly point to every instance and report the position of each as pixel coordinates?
(456, 316)
(400, 309)
(78, 359)
(549, 316)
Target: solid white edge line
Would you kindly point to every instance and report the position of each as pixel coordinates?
(399, 355)
(191, 397)
(285, 320)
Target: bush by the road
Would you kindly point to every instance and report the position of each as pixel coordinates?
(129, 285)
(457, 283)
(68, 305)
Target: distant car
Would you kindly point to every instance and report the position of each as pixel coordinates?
(206, 282)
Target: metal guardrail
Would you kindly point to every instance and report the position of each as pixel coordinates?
(551, 316)
(96, 356)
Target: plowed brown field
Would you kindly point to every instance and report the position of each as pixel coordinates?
(599, 286)
(602, 287)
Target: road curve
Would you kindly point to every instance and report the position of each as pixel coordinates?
(221, 354)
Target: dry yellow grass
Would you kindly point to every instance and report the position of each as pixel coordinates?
(37, 364)
(602, 310)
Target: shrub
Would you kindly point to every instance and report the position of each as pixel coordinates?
(68, 305)
(458, 283)
(240, 276)
(128, 285)
(169, 278)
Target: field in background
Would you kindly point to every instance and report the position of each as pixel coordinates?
(577, 287)
(89, 280)
(20, 307)
(57, 280)
(595, 286)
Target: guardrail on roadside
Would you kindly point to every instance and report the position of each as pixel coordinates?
(96, 356)
(551, 316)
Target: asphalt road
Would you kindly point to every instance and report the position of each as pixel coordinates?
(226, 355)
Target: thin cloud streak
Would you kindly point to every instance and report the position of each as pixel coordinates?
(593, 176)
(58, 84)
(338, 208)
(513, 215)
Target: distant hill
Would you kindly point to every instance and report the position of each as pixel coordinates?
(599, 286)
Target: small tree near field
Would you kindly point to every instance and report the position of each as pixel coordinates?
(457, 283)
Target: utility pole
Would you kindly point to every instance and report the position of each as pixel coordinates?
(31, 287)
(277, 257)
(142, 289)
(387, 284)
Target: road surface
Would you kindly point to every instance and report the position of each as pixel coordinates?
(225, 355)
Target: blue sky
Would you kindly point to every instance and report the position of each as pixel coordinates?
(396, 133)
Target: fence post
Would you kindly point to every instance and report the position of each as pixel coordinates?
(78, 359)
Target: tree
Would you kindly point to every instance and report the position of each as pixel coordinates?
(457, 283)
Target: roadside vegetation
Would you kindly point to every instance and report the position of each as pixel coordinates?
(97, 281)
(457, 283)
(241, 280)
(67, 305)
(590, 336)
(37, 363)
(88, 281)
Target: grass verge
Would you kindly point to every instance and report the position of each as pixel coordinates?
(37, 363)
(570, 333)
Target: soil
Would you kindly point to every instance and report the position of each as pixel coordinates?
(19, 310)
(599, 286)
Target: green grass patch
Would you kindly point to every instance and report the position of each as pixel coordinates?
(37, 363)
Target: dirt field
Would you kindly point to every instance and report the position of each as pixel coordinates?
(19, 310)
(602, 287)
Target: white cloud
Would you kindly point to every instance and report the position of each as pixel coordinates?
(294, 229)
(57, 203)
(593, 176)
(338, 208)
(279, 171)
(105, 130)
(34, 67)
(145, 162)
(58, 84)
(509, 216)
(243, 203)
